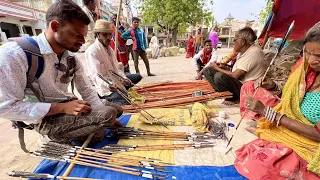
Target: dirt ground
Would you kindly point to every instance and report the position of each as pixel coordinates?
(174, 69)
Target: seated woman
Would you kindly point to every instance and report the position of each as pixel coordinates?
(290, 132)
(205, 57)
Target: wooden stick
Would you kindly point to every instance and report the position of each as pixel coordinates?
(117, 28)
(190, 100)
(74, 178)
(107, 168)
(71, 166)
(78, 158)
(134, 85)
(112, 161)
(117, 157)
(23, 174)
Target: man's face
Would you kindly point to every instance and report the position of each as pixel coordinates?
(92, 5)
(105, 38)
(135, 24)
(237, 43)
(71, 35)
(208, 46)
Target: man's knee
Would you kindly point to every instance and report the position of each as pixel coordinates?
(207, 72)
(107, 113)
(220, 77)
(135, 78)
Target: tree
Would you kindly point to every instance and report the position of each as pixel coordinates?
(264, 14)
(175, 15)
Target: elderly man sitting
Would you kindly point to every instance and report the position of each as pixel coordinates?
(249, 66)
(101, 59)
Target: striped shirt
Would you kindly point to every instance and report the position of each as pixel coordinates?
(139, 42)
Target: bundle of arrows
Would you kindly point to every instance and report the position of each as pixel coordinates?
(131, 132)
(125, 148)
(104, 159)
(23, 174)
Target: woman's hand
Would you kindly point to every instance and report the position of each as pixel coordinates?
(254, 105)
(267, 83)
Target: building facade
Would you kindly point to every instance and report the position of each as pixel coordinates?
(21, 18)
(230, 27)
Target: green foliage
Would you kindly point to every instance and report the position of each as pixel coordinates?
(264, 14)
(176, 14)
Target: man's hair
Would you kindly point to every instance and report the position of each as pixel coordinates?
(65, 11)
(248, 34)
(86, 2)
(207, 41)
(114, 15)
(135, 19)
(313, 34)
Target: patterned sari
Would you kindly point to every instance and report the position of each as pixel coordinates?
(302, 77)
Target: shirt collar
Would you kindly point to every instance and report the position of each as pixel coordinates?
(45, 47)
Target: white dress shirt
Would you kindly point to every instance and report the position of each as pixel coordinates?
(13, 69)
(214, 57)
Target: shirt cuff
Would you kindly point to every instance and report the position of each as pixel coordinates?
(39, 111)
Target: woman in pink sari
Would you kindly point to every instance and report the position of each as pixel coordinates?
(190, 49)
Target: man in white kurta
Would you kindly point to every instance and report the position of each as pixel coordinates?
(101, 60)
(56, 116)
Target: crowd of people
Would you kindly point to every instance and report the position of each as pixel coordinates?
(288, 121)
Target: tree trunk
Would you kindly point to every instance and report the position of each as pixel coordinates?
(174, 35)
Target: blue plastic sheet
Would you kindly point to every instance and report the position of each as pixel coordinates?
(179, 172)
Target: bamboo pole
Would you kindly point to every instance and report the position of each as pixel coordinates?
(71, 166)
(117, 28)
(268, 31)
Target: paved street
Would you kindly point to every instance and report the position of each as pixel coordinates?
(175, 69)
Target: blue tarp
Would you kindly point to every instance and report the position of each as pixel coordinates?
(180, 172)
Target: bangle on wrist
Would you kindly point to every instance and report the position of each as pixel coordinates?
(270, 114)
(279, 119)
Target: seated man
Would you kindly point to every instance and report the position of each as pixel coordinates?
(249, 66)
(101, 59)
(205, 57)
(56, 116)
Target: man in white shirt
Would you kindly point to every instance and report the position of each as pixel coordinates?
(205, 57)
(89, 7)
(249, 66)
(101, 59)
(61, 121)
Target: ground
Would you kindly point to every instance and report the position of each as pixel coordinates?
(175, 69)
